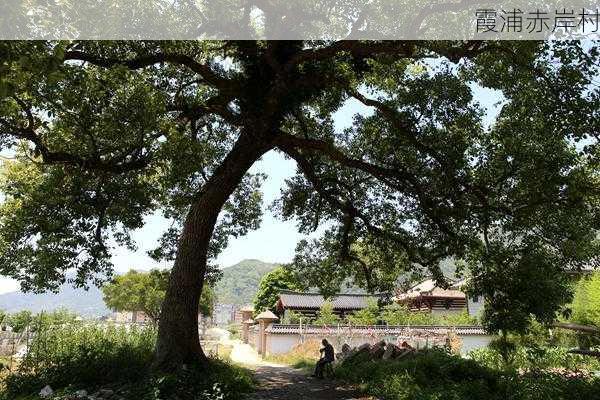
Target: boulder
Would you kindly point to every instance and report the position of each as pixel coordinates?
(390, 351)
(359, 353)
(402, 353)
(363, 347)
(377, 350)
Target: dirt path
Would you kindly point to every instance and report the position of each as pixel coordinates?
(284, 383)
(279, 382)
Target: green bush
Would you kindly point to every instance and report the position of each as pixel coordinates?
(326, 315)
(400, 314)
(533, 358)
(83, 355)
(87, 357)
(437, 375)
(221, 381)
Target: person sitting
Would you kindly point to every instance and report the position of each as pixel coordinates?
(327, 356)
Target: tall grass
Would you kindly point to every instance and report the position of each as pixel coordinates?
(302, 356)
(78, 356)
(83, 355)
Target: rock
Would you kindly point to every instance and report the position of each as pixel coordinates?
(364, 346)
(377, 350)
(81, 393)
(346, 348)
(405, 345)
(402, 353)
(390, 351)
(46, 392)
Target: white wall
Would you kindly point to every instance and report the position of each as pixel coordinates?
(473, 342)
(475, 308)
(283, 343)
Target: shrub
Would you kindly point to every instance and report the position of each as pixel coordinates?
(84, 355)
(399, 314)
(326, 315)
(535, 358)
(367, 316)
(434, 374)
(220, 381)
(74, 356)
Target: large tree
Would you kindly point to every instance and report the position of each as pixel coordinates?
(106, 133)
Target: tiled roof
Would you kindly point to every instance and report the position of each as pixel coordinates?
(376, 330)
(295, 300)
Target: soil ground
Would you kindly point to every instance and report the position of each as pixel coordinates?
(279, 382)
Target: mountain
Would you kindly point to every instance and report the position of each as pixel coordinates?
(240, 281)
(86, 303)
(238, 286)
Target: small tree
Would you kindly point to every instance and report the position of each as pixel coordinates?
(20, 321)
(326, 315)
(145, 291)
(399, 314)
(291, 317)
(586, 303)
(271, 285)
(367, 316)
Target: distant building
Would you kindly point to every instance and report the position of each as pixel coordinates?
(475, 304)
(309, 304)
(140, 317)
(224, 314)
(428, 297)
(131, 317)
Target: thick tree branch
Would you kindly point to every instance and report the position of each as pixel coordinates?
(355, 48)
(402, 239)
(204, 70)
(389, 176)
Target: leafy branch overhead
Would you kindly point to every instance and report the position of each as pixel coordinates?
(106, 133)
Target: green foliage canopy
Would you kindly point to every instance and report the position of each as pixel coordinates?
(145, 291)
(271, 285)
(586, 302)
(106, 133)
(326, 316)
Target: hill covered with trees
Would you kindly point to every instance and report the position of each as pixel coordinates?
(240, 281)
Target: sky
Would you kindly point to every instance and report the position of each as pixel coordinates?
(275, 240)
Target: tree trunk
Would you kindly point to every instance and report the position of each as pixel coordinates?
(178, 340)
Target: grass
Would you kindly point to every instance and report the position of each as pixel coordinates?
(302, 356)
(224, 351)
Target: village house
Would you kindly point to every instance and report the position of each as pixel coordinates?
(426, 296)
(131, 317)
(269, 334)
(309, 304)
